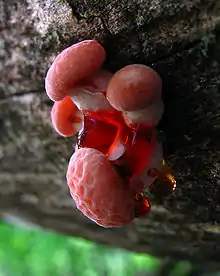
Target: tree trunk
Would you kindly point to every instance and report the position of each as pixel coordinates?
(178, 38)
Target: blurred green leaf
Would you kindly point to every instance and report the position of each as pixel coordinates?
(37, 253)
(29, 252)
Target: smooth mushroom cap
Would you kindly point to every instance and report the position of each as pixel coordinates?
(66, 117)
(71, 66)
(134, 87)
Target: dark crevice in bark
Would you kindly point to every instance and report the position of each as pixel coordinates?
(20, 94)
(74, 9)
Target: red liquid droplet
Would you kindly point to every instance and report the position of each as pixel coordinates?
(96, 134)
(142, 205)
(99, 132)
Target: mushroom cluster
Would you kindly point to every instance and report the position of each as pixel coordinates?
(117, 154)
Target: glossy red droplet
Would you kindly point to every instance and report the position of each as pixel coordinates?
(142, 205)
(96, 134)
(100, 130)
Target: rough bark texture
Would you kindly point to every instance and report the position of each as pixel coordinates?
(181, 40)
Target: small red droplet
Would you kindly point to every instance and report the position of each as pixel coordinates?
(142, 205)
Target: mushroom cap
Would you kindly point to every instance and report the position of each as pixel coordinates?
(66, 117)
(71, 66)
(134, 87)
(97, 189)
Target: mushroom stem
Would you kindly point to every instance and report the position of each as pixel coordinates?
(90, 93)
(84, 99)
(149, 116)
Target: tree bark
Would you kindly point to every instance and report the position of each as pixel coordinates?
(181, 40)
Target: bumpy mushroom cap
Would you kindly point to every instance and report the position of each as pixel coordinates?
(134, 87)
(66, 117)
(97, 189)
(71, 66)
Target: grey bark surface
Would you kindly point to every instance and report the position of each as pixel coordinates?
(181, 40)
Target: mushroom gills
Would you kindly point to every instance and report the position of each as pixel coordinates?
(86, 99)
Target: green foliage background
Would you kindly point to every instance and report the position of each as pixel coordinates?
(38, 253)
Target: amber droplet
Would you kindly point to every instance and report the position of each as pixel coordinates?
(165, 182)
(142, 205)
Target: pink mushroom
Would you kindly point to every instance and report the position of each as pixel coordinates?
(98, 191)
(71, 66)
(136, 91)
(66, 117)
(84, 92)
